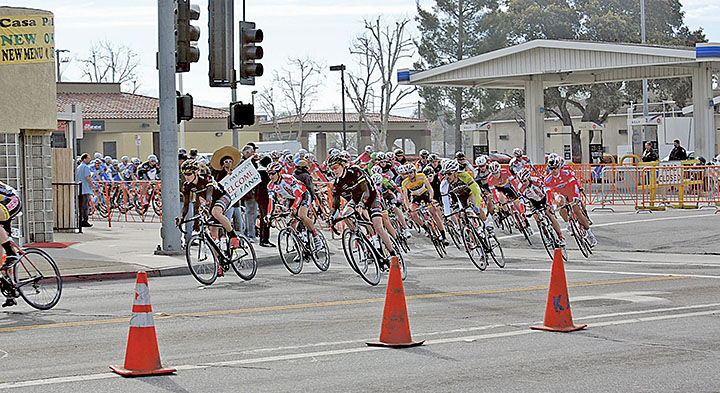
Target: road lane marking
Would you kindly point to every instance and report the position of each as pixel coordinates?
(361, 349)
(285, 307)
(665, 274)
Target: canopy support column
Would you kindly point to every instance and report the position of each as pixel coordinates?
(703, 112)
(534, 119)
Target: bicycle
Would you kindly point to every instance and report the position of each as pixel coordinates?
(518, 220)
(577, 230)
(295, 245)
(33, 275)
(432, 230)
(205, 256)
(362, 256)
(549, 237)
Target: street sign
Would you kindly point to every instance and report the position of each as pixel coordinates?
(475, 126)
(138, 140)
(646, 121)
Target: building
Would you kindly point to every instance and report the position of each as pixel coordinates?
(120, 124)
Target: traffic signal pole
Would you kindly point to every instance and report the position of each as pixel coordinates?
(168, 130)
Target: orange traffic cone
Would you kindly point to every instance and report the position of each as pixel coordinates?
(558, 317)
(395, 330)
(142, 356)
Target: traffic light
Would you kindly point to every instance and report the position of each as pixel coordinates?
(184, 107)
(249, 52)
(186, 35)
(241, 115)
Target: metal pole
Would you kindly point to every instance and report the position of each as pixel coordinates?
(168, 129)
(233, 95)
(182, 123)
(644, 82)
(342, 87)
(57, 62)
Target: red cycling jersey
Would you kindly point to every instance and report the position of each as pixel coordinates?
(502, 179)
(564, 184)
(289, 188)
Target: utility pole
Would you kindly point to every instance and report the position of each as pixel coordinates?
(341, 68)
(57, 62)
(168, 129)
(182, 123)
(644, 82)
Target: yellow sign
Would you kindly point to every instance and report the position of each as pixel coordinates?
(27, 39)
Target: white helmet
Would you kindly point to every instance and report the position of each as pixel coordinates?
(553, 161)
(450, 166)
(376, 169)
(368, 149)
(125, 159)
(494, 167)
(152, 158)
(390, 156)
(524, 174)
(377, 178)
(108, 158)
(482, 160)
(518, 152)
(98, 155)
(380, 156)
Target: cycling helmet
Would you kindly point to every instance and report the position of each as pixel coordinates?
(152, 158)
(368, 149)
(524, 174)
(274, 167)
(433, 157)
(346, 154)
(459, 155)
(424, 153)
(390, 156)
(377, 178)
(553, 161)
(380, 156)
(450, 166)
(402, 170)
(333, 152)
(275, 154)
(480, 161)
(115, 162)
(428, 171)
(518, 152)
(376, 169)
(310, 157)
(108, 158)
(494, 167)
(373, 156)
(411, 168)
(399, 152)
(562, 162)
(98, 155)
(135, 160)
(551, 155)
(302, 151)
(189, 167)
(125, 159)
(286, 152)
(337, 159)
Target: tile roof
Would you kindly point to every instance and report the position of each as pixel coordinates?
(125, 106)
(318, 117)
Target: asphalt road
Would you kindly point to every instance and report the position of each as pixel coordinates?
(649, 295)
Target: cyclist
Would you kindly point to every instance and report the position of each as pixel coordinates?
(364, 158)
(295, 194)
(213, 192)
(519, 161)
(150, 170)
(482, 173)
(454, 178)
(417, 190)
(423, 161)
(534, 190)
(562, 182)
(465, 164)
(353, 185)
(400, 156)
(10, 207)
(389, 193)
(501, 181)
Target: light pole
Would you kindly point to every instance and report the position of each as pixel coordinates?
(644, 82)
(253, 97)
(57, 61)
(341, 68)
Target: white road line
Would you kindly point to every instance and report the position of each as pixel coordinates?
(679, 274)
(524, 331)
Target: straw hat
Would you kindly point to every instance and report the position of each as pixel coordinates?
(221, 153)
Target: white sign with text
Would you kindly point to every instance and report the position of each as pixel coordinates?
(241, 181)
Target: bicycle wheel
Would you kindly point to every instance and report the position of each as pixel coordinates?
(349, 241)
(547, 240)
(401, 260)
(575, 231)
(290, 250)
(322, 257)
(436, 240)
(37, 278)
(496, 251)
(157, 203)
(523, 226)
(244, 261)
(474, 249)
(366, 260)
(201, 259)
(455, 235)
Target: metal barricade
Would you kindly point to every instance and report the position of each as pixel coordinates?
(681, 187)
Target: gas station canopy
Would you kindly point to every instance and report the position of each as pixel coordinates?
(538, 64)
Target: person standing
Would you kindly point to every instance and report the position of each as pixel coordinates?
(249, 199)
(263, 200)
(86, 189)
(224, 160)
(649, 154)
(678, 153)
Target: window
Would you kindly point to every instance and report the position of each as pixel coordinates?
(110, 149)
(58, 139)
(622, 132)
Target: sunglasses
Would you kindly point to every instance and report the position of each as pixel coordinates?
(228, 161)
(272, 173)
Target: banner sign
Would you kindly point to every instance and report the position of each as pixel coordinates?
(27, 39)
(93, 125)
(241, 181)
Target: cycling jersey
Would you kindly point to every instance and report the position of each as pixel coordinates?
(420, 164)
(502, 182)
(517, 163)
(564, 184)
(415, 187)
(10, 205)
(355, 186)
(535, 190)
(289, 188)
(463, 179)
(148, 172)
(207, 188)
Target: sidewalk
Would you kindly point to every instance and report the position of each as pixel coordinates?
(126, 248)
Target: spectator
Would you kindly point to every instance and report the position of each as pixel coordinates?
(678, 153)
(223, 162)
(86, 189)
(263, 200)
(193, 155)
(182, 157)
(250, 199)
(649, 154)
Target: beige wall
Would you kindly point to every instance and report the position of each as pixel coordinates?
(27, 98)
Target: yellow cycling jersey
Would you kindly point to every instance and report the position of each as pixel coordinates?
(416, 187)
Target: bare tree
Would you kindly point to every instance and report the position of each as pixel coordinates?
(299, 81)
(269, 105)
(108, 62)
(378, 50)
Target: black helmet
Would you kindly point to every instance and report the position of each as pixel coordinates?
(189, 167)
(337, 159)
(460, 155)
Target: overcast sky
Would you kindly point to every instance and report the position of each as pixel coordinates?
(321, 29)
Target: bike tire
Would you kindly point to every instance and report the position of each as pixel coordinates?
(547, 241)
(436, 240)
(244, 260)
(291, 250)
(367, 262)
(348, 241)
(474, 249)
(157, 204)
(497, 253)
(322, 257)
(201, 259)
(455, 235)
(578, 238)
(37, 278)
(401, 259)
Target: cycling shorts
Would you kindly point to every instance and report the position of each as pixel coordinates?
(305, 201)
(418, 199)
(509, 192)
(224, 202)
(538, 205)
